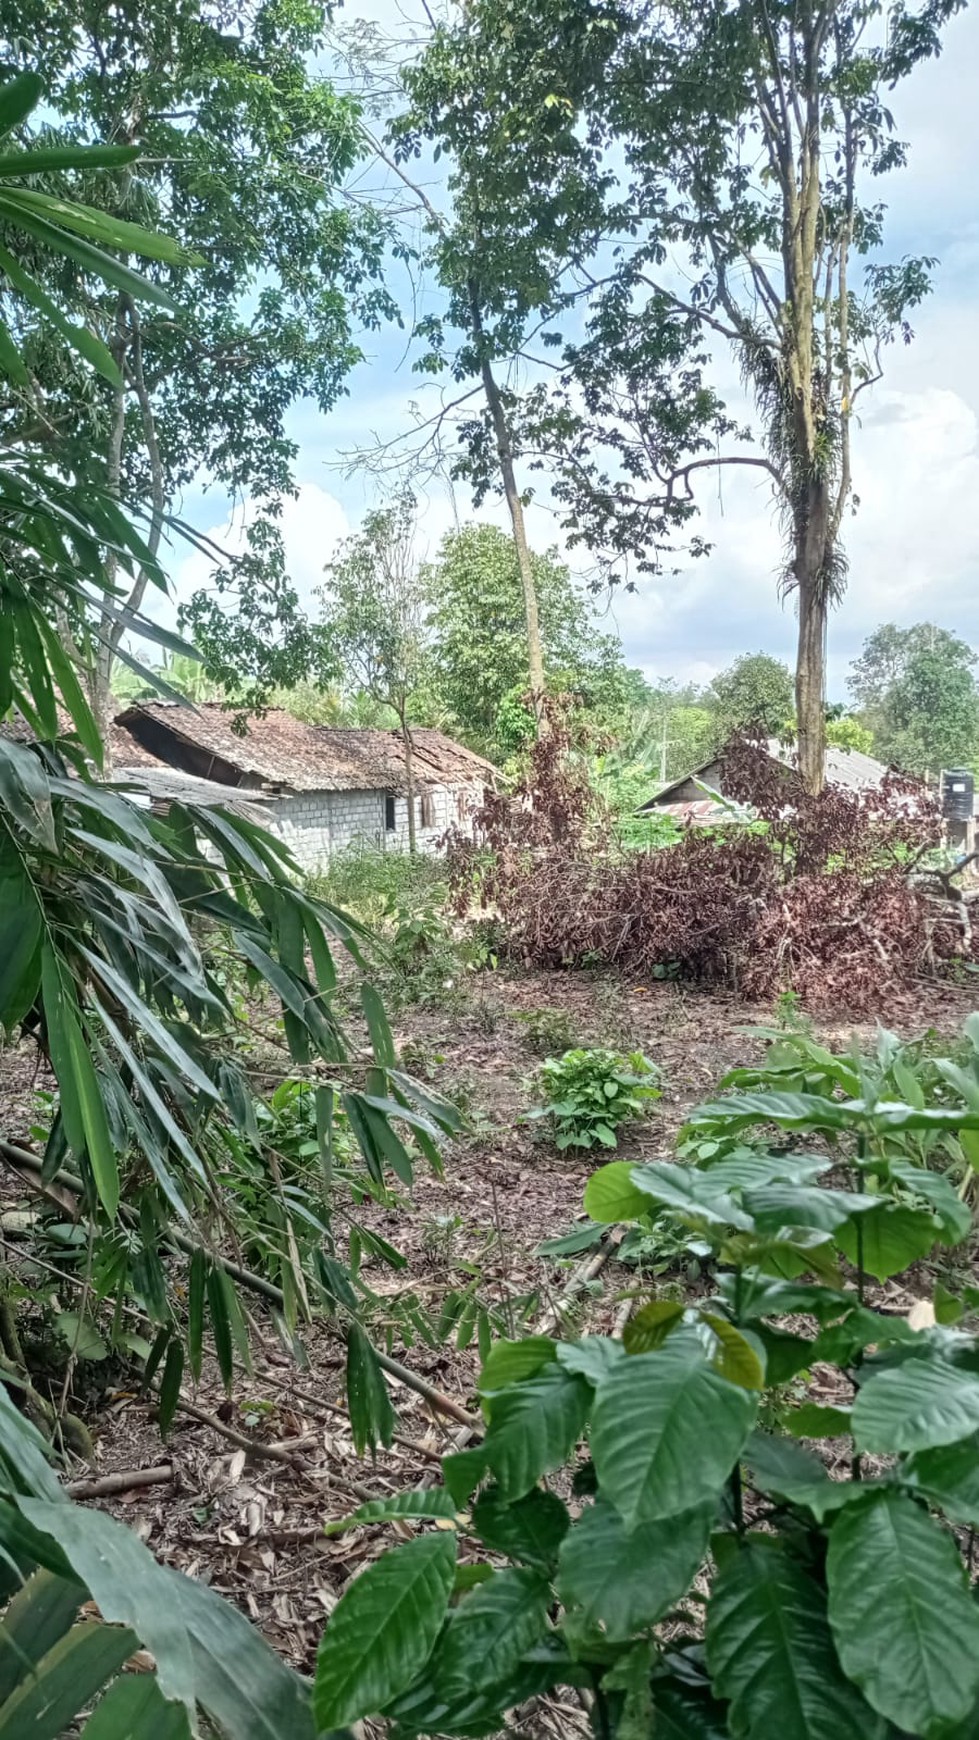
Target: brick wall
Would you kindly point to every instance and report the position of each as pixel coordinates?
(315, 824)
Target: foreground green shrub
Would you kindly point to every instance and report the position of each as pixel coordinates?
(591, 1092)
(707, 1578)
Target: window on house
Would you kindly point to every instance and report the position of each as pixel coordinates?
(390, 819)
(462, 806)
(426, 810)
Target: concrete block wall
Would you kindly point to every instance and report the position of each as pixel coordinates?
(315, 824)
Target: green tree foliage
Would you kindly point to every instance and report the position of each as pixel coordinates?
(847, 732)
(374, 620)
(544, 105)
(243, 149)
(917, 692)
(755, 690)
(115, 924)
(479, 651)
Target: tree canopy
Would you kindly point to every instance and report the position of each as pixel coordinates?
(478, 629)
(243, 147)
(644, 181)
(916, 688)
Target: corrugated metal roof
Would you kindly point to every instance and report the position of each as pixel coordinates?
(849, 769)
(283, 752)
(167, 785)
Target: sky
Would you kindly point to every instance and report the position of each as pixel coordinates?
(913, 539)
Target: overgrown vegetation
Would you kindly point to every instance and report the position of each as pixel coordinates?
(703, 1573)
(839, 898)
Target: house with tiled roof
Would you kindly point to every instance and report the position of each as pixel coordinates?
(325, 787)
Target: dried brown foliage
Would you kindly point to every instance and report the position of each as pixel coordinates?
(822, 895)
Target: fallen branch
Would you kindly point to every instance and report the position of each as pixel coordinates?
(125, 1481)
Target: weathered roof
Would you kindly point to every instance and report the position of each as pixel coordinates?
(849, 769)
(144, 774)
(284, 753)
(167, 785)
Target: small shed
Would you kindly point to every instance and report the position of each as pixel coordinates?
(687, 800)
(327, 787)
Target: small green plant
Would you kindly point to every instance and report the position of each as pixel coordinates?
(547, 1031)
(591, 1092)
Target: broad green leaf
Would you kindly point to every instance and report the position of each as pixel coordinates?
(81, 1335)
(770, 1652)
(689, 1193)
(509, 1362)
(41, 157)
(84, 253)
(134, 1709)
(624, 1581)
(530, 1531)
(372, 1418)
(533, 1429)
(785, 1354)
(243, 1686)
(888, 1239)
(949, 1476)
(809, 1420)
(747, 1169)
(104, 227)
(778, 1205)
(592, 1357)
(918, 1405)
(651, 1325)
(906, 1628)
(462, 1472)
(381, 1633)
(738, 1357)
(666, 1431)
(954, 1216)
(64, 1681)
(782, 1468)
(431, 1503)
(611, 1195)
(681, 1713)
(488, 1633)
(24, 1454)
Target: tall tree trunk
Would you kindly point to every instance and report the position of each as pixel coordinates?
(810, 683)
(504, 448)
(410, 785)
(812, 567)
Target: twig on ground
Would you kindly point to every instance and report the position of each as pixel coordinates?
(127, 1480)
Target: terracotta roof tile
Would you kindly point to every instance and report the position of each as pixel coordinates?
(280, 751)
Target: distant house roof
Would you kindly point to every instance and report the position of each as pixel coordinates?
(279, 751)
(849, 769)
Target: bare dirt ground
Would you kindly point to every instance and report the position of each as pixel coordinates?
(248, 1517)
